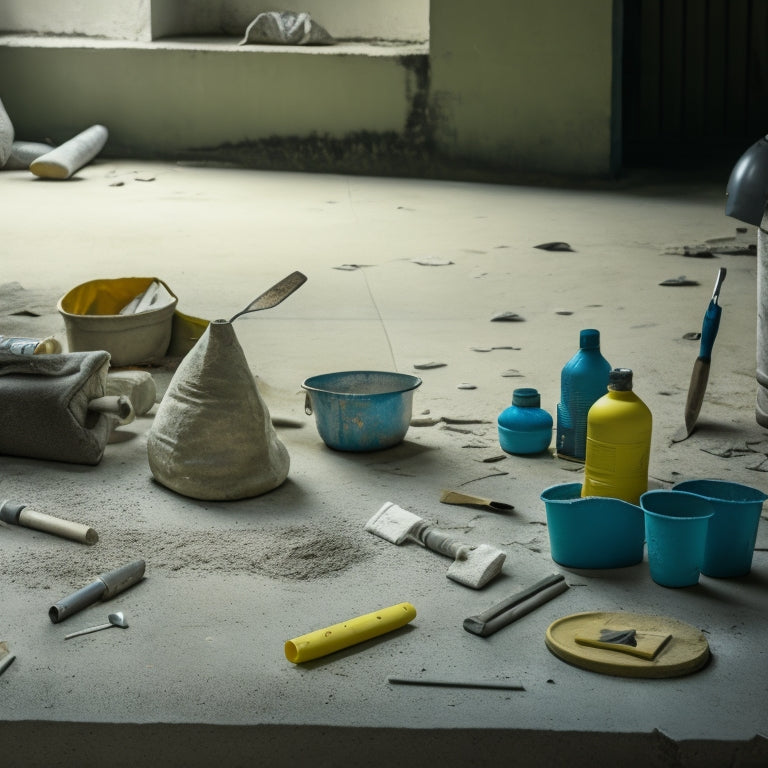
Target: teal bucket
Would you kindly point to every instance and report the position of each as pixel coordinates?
(676, 524)
(361, 410)
(592, 532)
(733, 528)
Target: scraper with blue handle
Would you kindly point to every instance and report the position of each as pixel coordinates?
(700, 375)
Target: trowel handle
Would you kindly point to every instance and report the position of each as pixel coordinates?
(123, 577)
(20, 514)
(439, 541)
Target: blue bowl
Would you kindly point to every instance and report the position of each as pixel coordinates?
(594, 531)
(361, 410)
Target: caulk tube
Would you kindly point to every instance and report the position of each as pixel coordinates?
(106, 585)
(324, 641)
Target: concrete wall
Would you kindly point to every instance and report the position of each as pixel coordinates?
(524, 84)
(152, 19)
(123, 20)
(344, 19)
(504, 87)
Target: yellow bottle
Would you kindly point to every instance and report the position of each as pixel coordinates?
(618, 442)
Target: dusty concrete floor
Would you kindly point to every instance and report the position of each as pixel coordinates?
(200, 674)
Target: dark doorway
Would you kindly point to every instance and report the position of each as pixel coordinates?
(694, 81)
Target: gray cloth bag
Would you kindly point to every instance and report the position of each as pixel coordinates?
(44, 406)
(285, 28)
(212, 436)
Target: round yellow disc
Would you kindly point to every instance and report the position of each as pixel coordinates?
(686, 651)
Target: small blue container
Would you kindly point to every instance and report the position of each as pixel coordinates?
(676, 525)
(732, 530)
(592, 531)
(525, 427)
(361, 410)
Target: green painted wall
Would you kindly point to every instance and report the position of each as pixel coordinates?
(508, 87)
(523, 84)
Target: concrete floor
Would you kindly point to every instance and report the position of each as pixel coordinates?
(200, 674)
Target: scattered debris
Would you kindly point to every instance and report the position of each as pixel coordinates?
(728, 451)
(563, 312)
(17, 300)
(732, 245)
(491, 349)
(351, 267)
(692, 336)
(465, 385)
(557, 245)
(679, 281)
(424, 421)
(507, 317)
(511, 373)
(431, 421)
(432, 261)
(493, 459)
(460, 430)
(427, 366)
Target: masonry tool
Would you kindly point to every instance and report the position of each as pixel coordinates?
(274, 295)
(473, 566)
(113, 620)
(456, 497)
(105, 586)
(20, 514)
(700, 374)
(516, 606)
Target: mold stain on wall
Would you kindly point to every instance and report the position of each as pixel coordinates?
(406, 153)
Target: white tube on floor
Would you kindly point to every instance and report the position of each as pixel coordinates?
(761, 410)
(69, 157)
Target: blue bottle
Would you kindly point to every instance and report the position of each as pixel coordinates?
(525, 427)
(583, 380)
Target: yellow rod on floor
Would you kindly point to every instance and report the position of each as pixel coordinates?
(321, 642)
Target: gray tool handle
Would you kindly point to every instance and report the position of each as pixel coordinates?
(439, 541)
(116, 405)
(10, 511)
(121, 578)
(106, 585)
(76, 601)
(516, 606)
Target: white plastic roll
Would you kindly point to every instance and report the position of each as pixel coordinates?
(69, 157)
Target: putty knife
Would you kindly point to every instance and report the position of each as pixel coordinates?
(700, 375)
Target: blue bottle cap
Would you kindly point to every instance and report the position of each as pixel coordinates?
(526, 397)
(589, 338)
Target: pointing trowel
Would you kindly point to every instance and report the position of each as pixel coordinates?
(700, 374)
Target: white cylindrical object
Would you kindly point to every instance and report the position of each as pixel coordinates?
(29, 518)
(761, 409)
(69, 157)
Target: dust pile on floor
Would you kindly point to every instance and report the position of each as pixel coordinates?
(298, 553)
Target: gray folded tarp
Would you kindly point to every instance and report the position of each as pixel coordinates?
(6, 135)
(44, 406)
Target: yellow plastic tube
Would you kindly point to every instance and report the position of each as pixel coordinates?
(321, 642)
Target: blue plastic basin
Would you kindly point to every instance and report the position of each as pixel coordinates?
(361, 410)
(594, 531)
